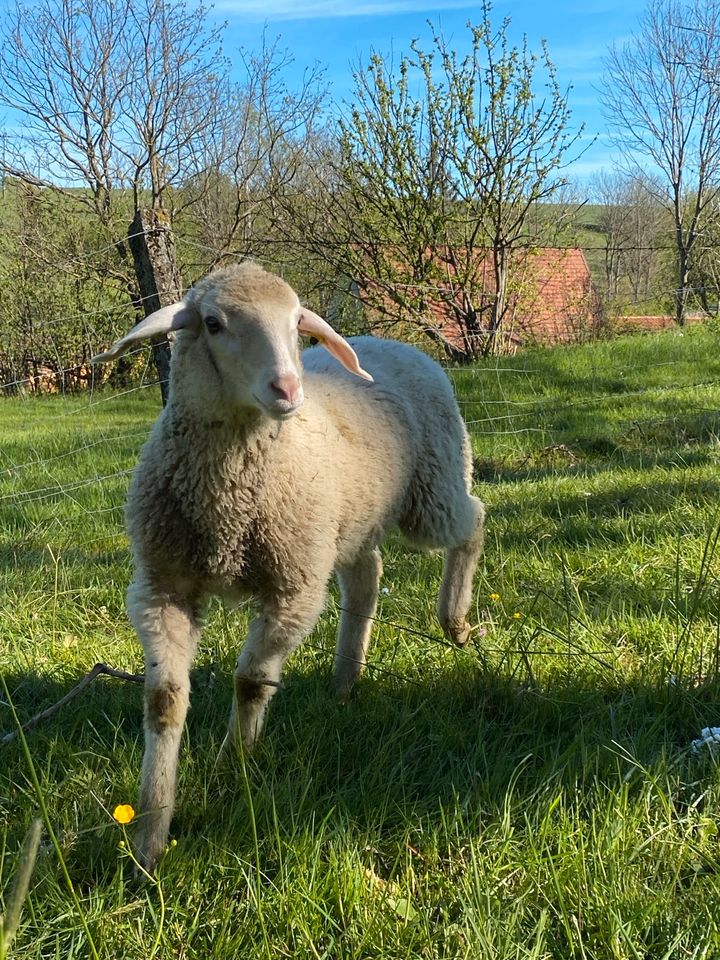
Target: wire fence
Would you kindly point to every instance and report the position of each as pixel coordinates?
(90, 326)
(54, 472)
(516, 416)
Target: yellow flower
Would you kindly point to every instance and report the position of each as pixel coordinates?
(123, 813)
(517, 615)
(494, 597)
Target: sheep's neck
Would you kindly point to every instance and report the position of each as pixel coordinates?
(214, 457)
(226, 445)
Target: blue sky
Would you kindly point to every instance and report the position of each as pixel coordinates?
(338, 35)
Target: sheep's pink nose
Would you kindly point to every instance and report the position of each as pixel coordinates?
(286, 387)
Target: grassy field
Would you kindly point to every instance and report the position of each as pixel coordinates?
(533, 796)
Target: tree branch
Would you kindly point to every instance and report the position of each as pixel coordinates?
(97, 670)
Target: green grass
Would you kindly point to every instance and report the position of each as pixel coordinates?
(534, 796)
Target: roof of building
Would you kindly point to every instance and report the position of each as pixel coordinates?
(551, 297)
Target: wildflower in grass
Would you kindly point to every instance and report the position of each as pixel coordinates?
(517, 615)
(123, 813)
(494, 597)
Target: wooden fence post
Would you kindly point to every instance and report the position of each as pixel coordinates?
(153, 248)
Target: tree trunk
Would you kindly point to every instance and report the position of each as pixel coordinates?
(499, 305)
(681, 294)
(453, 353)
(153, 248)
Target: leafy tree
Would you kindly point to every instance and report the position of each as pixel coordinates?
(58, 291)
(433, 191)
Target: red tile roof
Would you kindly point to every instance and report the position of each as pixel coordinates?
(558, 301)
(551, 296)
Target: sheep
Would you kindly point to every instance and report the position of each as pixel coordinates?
(263, 475)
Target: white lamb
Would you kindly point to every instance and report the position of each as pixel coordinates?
(261, 479)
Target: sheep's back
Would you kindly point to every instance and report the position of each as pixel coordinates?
(409, 412)
(354, 444)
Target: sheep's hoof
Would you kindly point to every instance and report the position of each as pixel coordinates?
(147, 862)
(344, 687)
(234, 749)
(144, 872)
(227, 750)
(459, 633)
(147, 856)
(343, 692)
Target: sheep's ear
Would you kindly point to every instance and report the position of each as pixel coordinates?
(177, 316)
(314, 326)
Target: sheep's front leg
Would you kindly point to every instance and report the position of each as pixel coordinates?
(168, 631)
(359, 584)
(460, 565)
(271, 639)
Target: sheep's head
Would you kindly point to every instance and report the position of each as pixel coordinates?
(249, 321)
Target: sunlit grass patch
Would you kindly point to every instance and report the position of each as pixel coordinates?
(533, 795)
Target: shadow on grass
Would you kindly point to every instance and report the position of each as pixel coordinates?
(619, 366)
(399, 757)
(585, 517)
(466, 734)
(621, 497)
(640, 447)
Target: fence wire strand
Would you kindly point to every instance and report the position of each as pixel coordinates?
(514, 422)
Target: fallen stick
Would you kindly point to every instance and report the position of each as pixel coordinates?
(97, 670)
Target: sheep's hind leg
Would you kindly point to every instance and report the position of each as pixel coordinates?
(359, 583)
(271, 639)
(168, 631)
(456, 591)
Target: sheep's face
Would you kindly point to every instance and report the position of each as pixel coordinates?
(253, 346)
(247, 321)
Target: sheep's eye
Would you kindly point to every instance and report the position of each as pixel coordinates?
(213, 325)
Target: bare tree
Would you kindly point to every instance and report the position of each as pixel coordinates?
(243, 167)
(114, 94)
(131, 101)
(705, 272)
(661, 92)
(634, 225)
(646, 231)
(436, 182)
(609, 191)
